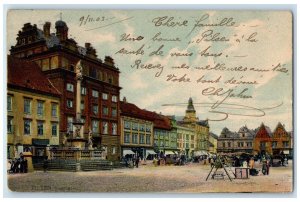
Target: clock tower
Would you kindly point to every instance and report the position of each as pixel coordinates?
(190, 112)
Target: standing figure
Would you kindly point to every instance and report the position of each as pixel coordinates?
(137, 160)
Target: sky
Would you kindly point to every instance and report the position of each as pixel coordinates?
(250, 40)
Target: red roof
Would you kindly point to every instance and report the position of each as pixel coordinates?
(160, 121)
(24, 74)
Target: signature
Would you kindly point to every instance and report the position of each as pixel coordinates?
(227, 109)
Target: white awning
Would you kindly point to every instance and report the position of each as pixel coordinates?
(286, 152)
(150, 152)
(169, 152)
(127, 151)
(200, 153)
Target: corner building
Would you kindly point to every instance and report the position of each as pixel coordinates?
(32, 110)
(56, 54)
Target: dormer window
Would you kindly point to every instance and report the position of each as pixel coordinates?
(23, 41)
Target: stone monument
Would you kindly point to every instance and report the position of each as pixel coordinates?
(77, 140)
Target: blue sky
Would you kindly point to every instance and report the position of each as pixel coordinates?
(274, 45)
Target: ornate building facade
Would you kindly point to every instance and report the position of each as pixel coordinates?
(263, 140)
(281, 140)
(33, 105)
(200, 127)
(56, 54)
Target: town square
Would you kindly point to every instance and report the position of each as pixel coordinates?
(115, 104)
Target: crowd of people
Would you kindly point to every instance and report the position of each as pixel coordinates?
(18, 165)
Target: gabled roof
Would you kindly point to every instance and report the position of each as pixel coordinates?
(279, 125)
(269, 132)
(28, 75)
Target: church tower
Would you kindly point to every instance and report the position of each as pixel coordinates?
(190, 112)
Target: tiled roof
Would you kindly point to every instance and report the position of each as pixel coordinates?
(160, 121)
(21, 73)
(203, 123)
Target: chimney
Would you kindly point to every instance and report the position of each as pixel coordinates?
(87, 45)
(124, 99)
(46, 29)
(109, 61)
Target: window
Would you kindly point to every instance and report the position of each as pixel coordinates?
(9, 103)
(95, 109)
(82, 105)
(104, 96)
(135, 138)
(105, 127)
(27, 106)
(54, 110)
(95, 126)
(83, 90)
(54, 129)
(127, 124)
(142, 139)
(114, 128)
(70, 103)
(274, 144)
(40, 128)
(127, 138)
(285, 144)
(186, 145)
(263, 144)
(229, 144)
(40, 108)
(95, 93)
(162, 144)
(148, 140)
(70, 124)
(134, 126)
(192, 145)
(148, 128)
(27, 125)
(142, 127)
(70, 87)
(105, 110)
(192, 137)
(114, 112)
(114, 98)
(9, 124)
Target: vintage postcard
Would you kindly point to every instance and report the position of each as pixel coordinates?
(150, 101)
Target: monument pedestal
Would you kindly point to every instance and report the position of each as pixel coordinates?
(77, 142)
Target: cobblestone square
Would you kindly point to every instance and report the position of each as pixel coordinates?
(190, 178)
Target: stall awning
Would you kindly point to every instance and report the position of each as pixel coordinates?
(169, 152)
(40, 142)
(200, 153)
(150, 152)
(286, 152)
(127, 151)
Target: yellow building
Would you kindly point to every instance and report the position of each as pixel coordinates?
(213, 143)
(136, 131)
(200, 127)
(32, 110)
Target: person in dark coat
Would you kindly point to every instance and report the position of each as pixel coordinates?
(137, 160)
(45, 164)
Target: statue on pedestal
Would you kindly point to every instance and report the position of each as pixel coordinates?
(90, 140)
